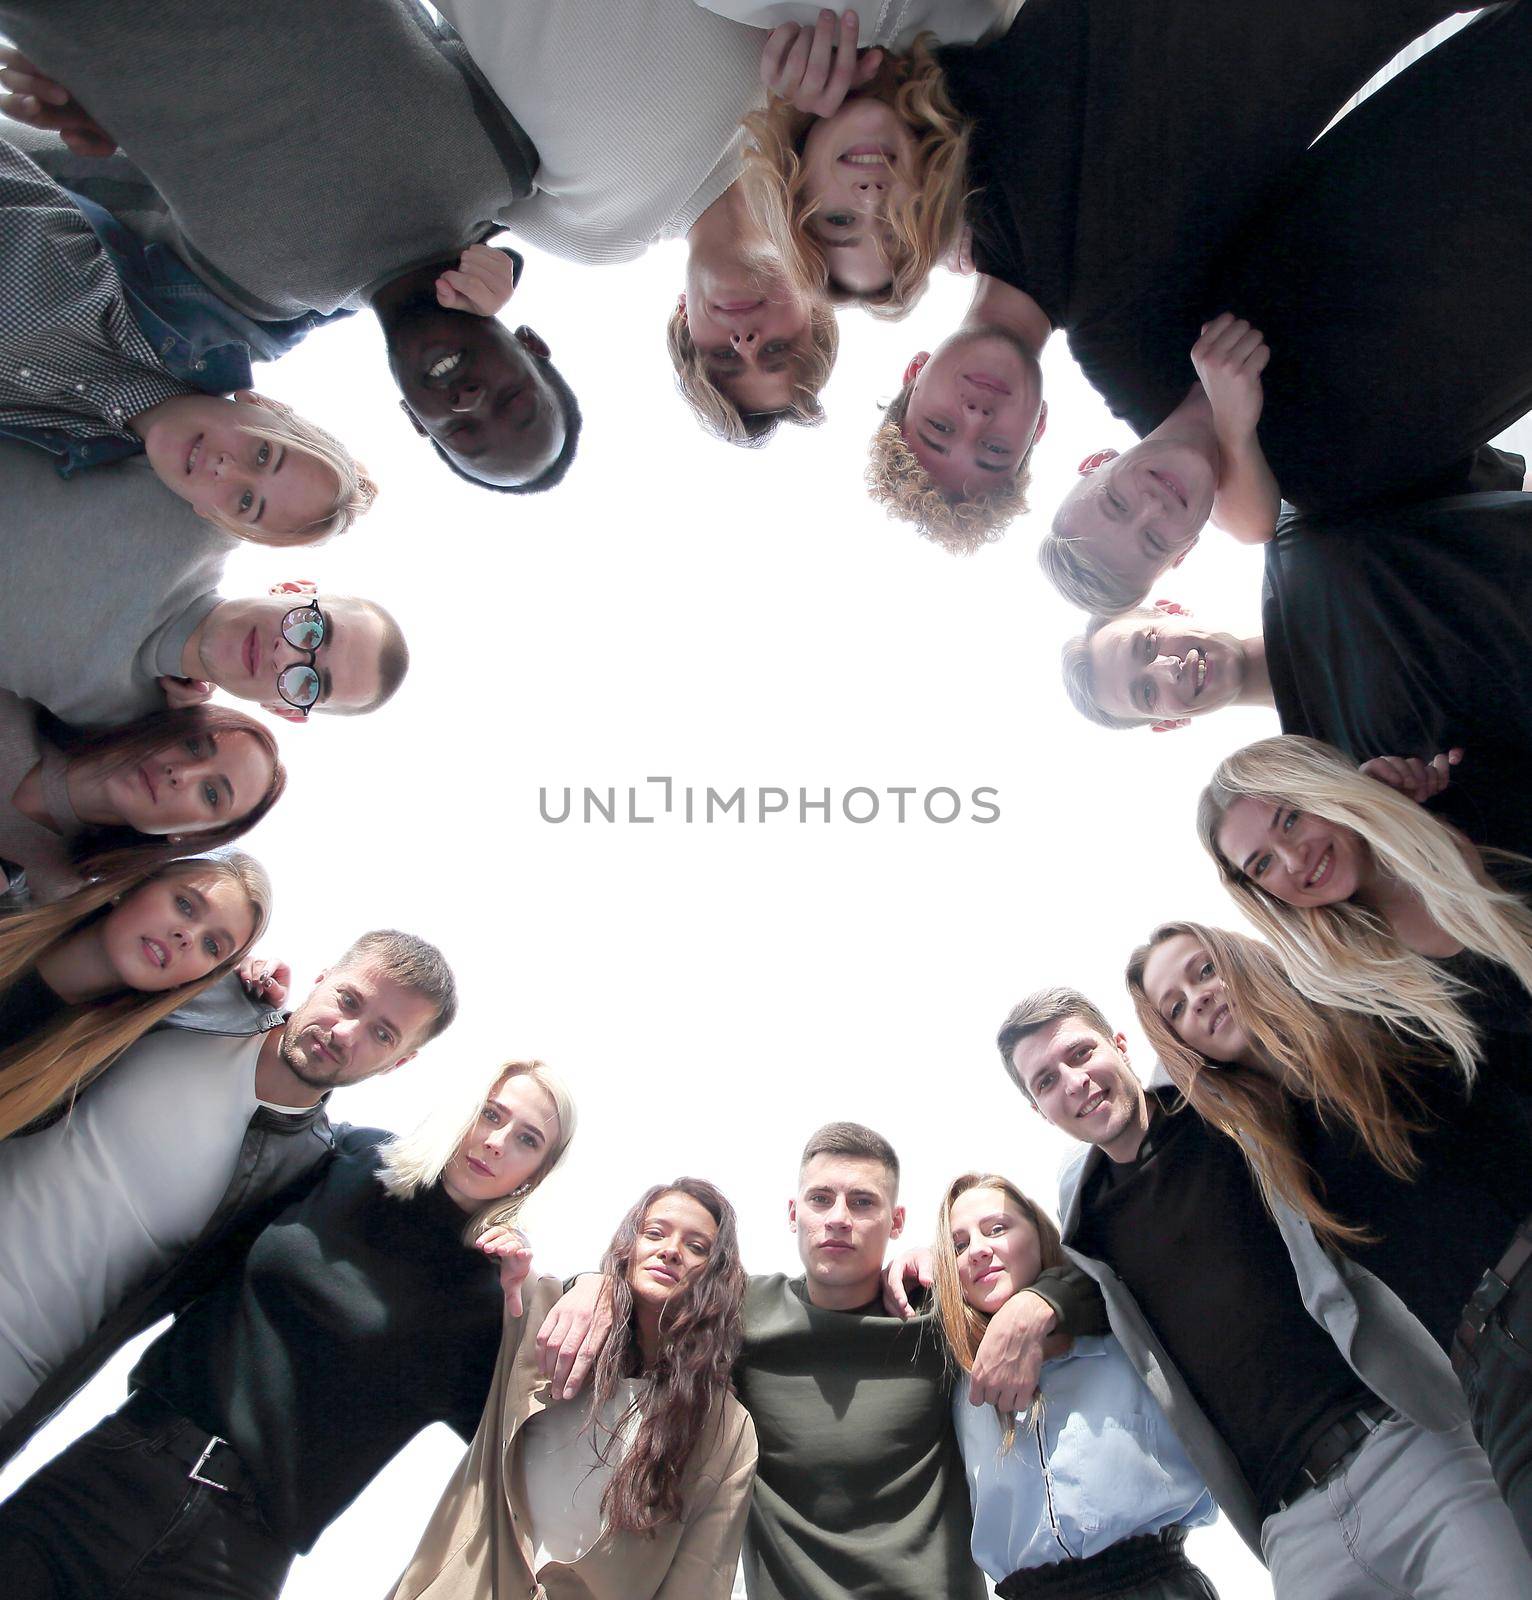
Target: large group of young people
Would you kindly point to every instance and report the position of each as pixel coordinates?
(1291, 1279)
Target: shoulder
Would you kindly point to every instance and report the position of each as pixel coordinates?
(362, 1146)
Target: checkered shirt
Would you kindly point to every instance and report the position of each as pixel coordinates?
(72, 359)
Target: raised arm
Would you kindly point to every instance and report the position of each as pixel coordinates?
(1229, 358)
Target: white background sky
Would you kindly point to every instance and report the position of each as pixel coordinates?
(713, 993)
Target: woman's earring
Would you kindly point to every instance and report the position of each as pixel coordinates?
(525, 1189)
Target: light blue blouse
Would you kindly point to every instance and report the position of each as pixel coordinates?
(1103, 1466)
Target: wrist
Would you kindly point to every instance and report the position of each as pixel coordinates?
(1040, 1314)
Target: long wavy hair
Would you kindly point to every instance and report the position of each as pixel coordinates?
(414, 1161)
(111, 848)
(1348, 1066)
(701, 1329)
(50, 1066)
(1345, 955)
(962, 1326)
(925, 225)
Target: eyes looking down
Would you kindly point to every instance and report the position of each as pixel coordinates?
(997, 1248)
(674, 1242)
(517, 1127)
(855, 167)
(1297, 858)
(196, 783)
(175, 929)
(1183, 986)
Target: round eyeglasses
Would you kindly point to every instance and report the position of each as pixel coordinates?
(304, 628)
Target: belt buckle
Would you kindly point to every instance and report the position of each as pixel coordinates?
(195, 1475)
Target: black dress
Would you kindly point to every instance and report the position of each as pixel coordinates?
(1121, 145)
(1407, 630)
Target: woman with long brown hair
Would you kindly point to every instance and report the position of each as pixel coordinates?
(83, 978)
(1089, 1492)
(75, 806)
(1384, 1149)
(642, 1493)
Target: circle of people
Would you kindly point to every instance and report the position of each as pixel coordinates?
(1291, 1280)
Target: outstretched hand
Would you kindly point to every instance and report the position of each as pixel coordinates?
(816, 68)
(1411, 776)
(482, 282)
(510, 1249)
(39, 101)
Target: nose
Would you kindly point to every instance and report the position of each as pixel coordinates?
(1289, 852)
(670, 1249)
(745, 339)
(975, 406)
(180, 936)
(467, 397)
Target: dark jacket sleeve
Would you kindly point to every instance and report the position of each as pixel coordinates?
(1075, 1299)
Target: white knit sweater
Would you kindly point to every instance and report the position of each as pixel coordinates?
(894, 24)
(634, 106)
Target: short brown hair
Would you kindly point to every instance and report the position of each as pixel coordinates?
(1042, 1010)
(1080, 672)
(851, 1139)
(412, 962)
(897, 481)
(393, 656)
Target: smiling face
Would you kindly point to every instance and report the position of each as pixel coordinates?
(176, 928)
(1297, 858)
(1164, 668)
(853, 170)
(1081, 1082)
(844, 1215)
(478, 390)
(507, 1146)
(752, 330)
(200, 782)
(241, 648)
(1140, 513)
(1183, 986)
(357, 1022)
(200, 448)
(997, 1249)
(673, 1245)
(975, 409)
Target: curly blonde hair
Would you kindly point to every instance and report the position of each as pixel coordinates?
(720, 415)
(897, 481)
(355, 489)
(924, 226)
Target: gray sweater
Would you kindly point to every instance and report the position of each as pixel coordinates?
(40, 852)
(305, 152)
(105, 577)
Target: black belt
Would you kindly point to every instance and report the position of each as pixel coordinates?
(1130, 1561)
(211, 1461)
(1493, 1287)
(1332, 1448)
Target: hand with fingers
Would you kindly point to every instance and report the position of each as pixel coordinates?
(1009, 1360)
(1413, 777)
(265, 981)
(573, 1335)
(39, 101)
(1230, 358)
(482, 282)
(909, 1267)
(512, 1251)
(816, 68)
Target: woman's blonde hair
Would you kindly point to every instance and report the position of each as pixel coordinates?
(720, 415)
(1348, 1066)
(415, 1161)
(962, 1326)
(1345, 955)
(52, 1065)
(355, 489)
(924, 226)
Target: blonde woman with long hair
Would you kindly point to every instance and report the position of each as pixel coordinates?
(83, 978)
(1373, 903)
(1089, 1492)
(1386, 1152)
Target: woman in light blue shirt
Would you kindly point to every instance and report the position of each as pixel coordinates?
(1089, 1492)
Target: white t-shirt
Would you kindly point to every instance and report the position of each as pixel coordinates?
(115, 1191)
(565, 1478)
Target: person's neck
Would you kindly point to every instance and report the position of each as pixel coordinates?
(1124, 1147)
(1255, 686)
(721, 229)
(411, 285)
(646, 1319)
(85, 784)
(996, 304)
(77, 968)
(191, 651)
(844, 1297)
(28, 799)
(1191, 424)
(276, 1082)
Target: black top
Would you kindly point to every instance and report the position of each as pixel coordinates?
(1185, 1229)
(1121, 146)
(1407, 630)
(357, 1320)
(24, 1007)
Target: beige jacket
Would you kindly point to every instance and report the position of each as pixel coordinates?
(478, 1545)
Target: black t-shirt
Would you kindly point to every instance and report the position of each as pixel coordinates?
(24, 1007)
(1405, 630)
(356, 1321)
(1120, 147)
(1185, 1229)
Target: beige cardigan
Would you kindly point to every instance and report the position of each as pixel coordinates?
(478, 1545)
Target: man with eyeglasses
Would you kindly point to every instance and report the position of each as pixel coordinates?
(113, 611)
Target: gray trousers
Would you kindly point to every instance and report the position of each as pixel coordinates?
(1411, 1514)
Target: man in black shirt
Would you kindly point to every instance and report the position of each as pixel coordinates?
(1403, 631)
(1320, 1413)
